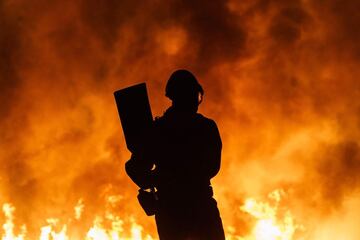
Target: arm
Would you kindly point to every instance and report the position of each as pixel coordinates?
(139, 169)
(212, 150)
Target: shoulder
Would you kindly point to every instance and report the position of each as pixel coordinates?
(206, 122)
(210, 129)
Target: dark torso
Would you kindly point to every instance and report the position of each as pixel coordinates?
(181, 141)
(187, 155)
(185, 149)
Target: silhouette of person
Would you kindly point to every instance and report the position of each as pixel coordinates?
(184, 153)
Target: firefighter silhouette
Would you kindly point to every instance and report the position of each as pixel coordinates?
(182, 155)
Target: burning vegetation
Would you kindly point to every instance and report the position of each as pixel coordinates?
(281, 79)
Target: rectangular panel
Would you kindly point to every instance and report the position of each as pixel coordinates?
(135, 114)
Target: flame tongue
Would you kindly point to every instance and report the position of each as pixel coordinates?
(269, 225)
(9, 226)
(97, 232)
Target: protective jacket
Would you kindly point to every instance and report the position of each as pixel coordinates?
(182, 155)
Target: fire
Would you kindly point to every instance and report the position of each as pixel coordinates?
(8, 226)
(269, 224)
(281, 80)
(47, 232)
(98, 231)
(270, 220)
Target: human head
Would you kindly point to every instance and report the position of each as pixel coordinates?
(184, 90)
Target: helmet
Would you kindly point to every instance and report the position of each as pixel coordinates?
(181, 84)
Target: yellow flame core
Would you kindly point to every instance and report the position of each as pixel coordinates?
(78, 209)
(269, 225)
(54, 231)
(8, 226)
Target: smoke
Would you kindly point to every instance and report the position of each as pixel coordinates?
(280, 79)
(10, 39)
(338, 171)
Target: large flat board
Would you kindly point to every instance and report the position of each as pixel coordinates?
(135, 114)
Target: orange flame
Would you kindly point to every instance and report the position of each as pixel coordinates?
(281, 80)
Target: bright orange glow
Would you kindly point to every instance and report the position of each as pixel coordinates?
(281, 80)
(268, 225)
